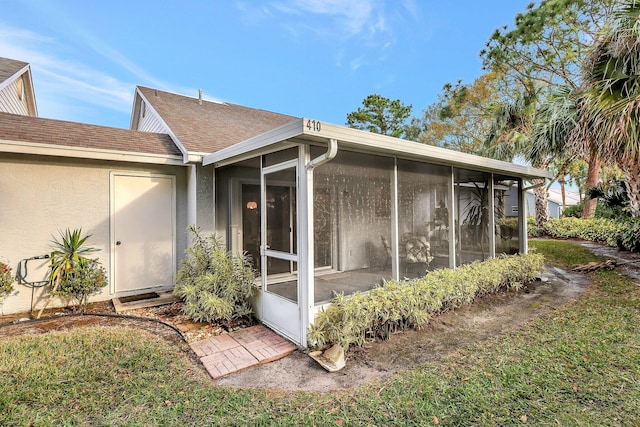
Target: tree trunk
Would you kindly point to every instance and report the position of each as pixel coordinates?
(542, 207)
(632, 180)
(589, 209)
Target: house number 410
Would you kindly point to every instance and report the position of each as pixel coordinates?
(314, 125)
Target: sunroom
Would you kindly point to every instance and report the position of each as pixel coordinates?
(322, 209)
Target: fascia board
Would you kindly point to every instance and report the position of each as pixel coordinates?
(135, 109)
(282, 133)
(310, 130)
(32, 92)
(372, 142)
(21, 147)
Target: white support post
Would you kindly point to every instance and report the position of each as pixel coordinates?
(192, 195)
(306, 243)
(492, 217)
(395, 236)
(452, 220)
(522, 217)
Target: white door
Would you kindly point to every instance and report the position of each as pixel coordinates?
(142, 232)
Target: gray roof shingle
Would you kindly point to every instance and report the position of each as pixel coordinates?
(8, 67)
(79, 135)
(208, 127)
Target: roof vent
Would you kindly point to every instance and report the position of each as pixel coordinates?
(200, 96)
(156, 92)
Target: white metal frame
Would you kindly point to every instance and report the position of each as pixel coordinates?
(268, 299)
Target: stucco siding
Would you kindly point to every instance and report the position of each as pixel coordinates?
(204, 198)
(42, 195)
(10, 102)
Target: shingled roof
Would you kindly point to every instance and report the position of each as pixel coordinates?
(17, 128)
(207, 127)
(8, 67)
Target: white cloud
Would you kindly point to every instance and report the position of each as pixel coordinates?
(354, 16)
(349, 18)
(61, 81)
(67, 87)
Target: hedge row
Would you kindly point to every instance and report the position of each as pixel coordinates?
(399, 305)
(622, 233)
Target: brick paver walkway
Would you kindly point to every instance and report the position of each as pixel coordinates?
(224, 354)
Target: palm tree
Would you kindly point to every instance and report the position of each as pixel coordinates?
(556, 127)
(611, 106)
(516, 131)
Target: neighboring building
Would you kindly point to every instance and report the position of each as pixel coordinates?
(554, 202)
(320, 208)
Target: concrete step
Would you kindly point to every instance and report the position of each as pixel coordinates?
(144, 300)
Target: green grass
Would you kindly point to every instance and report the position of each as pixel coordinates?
(579, 365)
(563, 254)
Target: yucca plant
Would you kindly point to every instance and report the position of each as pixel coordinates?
(68, 258)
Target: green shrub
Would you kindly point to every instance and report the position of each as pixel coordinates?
(574, 211)
(532, 228)
(79, 283)
(6, 281)
(623, 233)
(399, 305)
(599, 230)
(214, 284)
(629, 237)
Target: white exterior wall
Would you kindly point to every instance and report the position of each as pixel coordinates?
(41, 195)
(9, 100)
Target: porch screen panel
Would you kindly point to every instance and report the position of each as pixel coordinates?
(423, 217)
(507, 219)
(352, 221)
(472, 215)
(280, 197)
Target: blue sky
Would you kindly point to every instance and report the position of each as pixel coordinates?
(305, 58)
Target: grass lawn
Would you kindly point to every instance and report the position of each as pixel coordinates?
(580, 365)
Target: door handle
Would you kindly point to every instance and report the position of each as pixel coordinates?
(118, 243)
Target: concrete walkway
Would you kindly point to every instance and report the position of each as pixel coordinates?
(225, 354)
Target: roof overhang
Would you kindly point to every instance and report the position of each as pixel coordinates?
(21, 147)
(310, 131)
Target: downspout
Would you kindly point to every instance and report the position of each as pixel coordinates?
(307, 305)
(332, 150)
